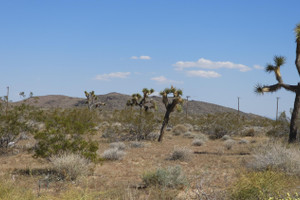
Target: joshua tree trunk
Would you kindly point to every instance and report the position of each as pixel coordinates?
(164, 124)
(170, 108)
(293, 126)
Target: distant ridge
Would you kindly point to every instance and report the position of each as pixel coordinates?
(117, 101)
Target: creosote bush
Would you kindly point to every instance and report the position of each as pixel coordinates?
(70, 166)
(67, 130)
(172, 177)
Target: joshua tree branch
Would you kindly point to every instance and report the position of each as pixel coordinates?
(297, 61)
(292, 88)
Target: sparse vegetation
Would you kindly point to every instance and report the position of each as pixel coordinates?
(181, 153)
(113, 154)
(198, 142)
(278, 157)
(117, 145)
(229, 144)
(179, 129)
(172, 177)
(70, 166)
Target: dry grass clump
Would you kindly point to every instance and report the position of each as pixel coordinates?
(278, 157)
(179, 129)
(113, 154)
(198, 142)
(70, 166)
(243, 141)
(152, 136)
(117, 145)
(229, 144)
(217, 132)
(188, 135)
(137, 144)
(181, 153)
(226, 137)
(172, 177)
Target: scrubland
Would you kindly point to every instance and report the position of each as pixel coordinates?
(91, 154)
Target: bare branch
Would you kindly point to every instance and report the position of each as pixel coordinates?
(292, 88)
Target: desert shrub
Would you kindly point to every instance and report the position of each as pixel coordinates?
(259, 185)
(226, 137)
(188, 135)
(136, 144)
(229, 144)
(179, 129)
(10, 191)
(113, 154)
(117, 145)
(12, 123)
(217, 132)
(172, 177)
(202, 137)
(243, 141)
(181, 153)
(70, 166)
(136, 125)
(198, 142)
(152, 136)
(67, 131)
(250, 132)
(277, 157)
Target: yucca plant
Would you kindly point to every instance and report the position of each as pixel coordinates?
(278, 62)
(170, 106)
(91, 100)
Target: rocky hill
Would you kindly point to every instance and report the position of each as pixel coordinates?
(118, 101)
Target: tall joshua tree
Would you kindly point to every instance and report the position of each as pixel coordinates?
(278, 62)
(143, 102)
(91, 100)
(170, 106)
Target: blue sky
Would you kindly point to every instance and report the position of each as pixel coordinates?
(211, 49)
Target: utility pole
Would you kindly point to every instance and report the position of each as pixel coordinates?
(277, 108)
(238, 106)
(187, 106)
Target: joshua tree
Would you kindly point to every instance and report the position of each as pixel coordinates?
(142, 102)
(279, 61)
(91, 99)
(170, 106)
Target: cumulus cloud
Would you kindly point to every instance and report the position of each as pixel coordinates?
(106, 77)
(140, 57)
(162, 79)
(204, 74)
(258, 67)
(208, 64)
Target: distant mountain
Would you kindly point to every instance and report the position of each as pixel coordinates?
(117, 101)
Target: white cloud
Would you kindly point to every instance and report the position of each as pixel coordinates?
(204, 74)
(208, 64)
(134, 57)
(162, 79)
(258, 67)
(106, 77)
(140, 57)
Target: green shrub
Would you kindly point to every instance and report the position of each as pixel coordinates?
(171, 177)
(260, 185)
(12, 123)
(67, 131)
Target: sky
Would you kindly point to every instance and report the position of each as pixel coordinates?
(214, 50)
